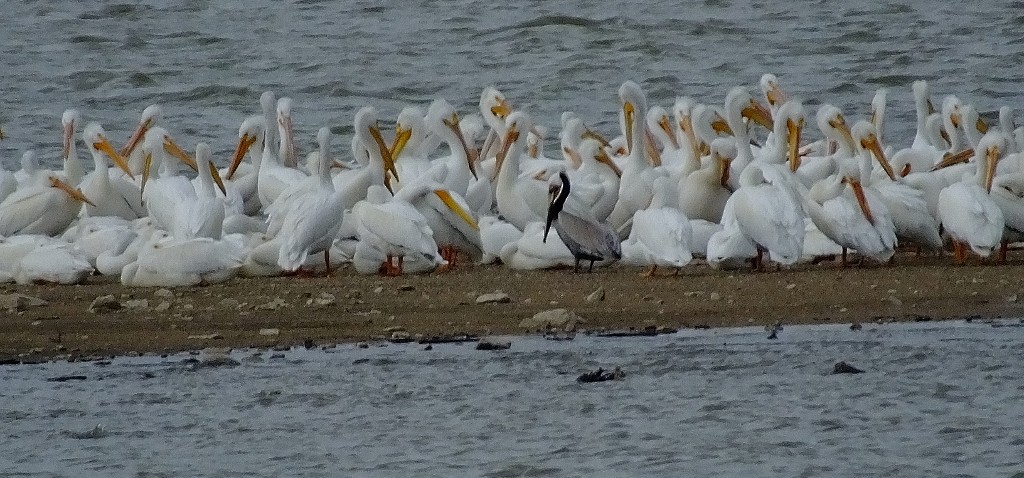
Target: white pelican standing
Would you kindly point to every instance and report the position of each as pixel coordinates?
(164, 195)
(110, 196)
(704, 192)
(244, 180)
(312, 218)
(150, 116)
(637, 174)
(368, 146)
(661, 234)
(521, 200)
(394, 229)
(273, 176)
(966, 209)
(204, 215)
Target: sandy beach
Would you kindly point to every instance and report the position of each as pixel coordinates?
(287, 311)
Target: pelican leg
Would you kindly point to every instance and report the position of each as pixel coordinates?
(590, 270)
(758, 259)
(576, 268)
(400, 260)
(327, 261)
(844, 262)
(958, 253)
(1003, 246)
(650, 272)
(389, 269)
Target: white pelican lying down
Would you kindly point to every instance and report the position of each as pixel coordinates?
(661, 234)
(166, 262)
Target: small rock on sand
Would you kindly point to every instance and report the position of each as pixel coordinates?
(325, 299)
(165, 305)
(104, 303)
(596, 296)
(136, 304)
(18, 302)
(493, 298)
(229, 303)
(270, 332)
(164, 293)
(553, 318)
(275, 304)
(213, 336)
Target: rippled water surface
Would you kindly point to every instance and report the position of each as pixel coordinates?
(936, 400)
(206, 61)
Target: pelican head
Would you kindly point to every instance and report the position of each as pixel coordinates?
(98, 144)
(788, 124)
(772, 92)
(558, 192)
(516, 125)
(988, 153)
(878, 106)
(494, 107)
(285, 125)
(150, 116)
(658, 121)
(444, 122)
(723, 151)
(922, 98)
(204, 158)
(739, 105)
(368, 131)
(69, 120)
(408, 128)
(249, 132)
(865, 138)
(633, 102)
(833, 124)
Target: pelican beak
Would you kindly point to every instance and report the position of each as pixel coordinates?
(990, 170)
(75, 193)
(653, 153)
(981, 125)
(446, 198)
(69, 138)
(666, 126)
(720, 126)
(173, 149)
(103, 145)
(402, 136)
(589, 133)
(628, 110)
(603, 157)
(217, 179)
(147, 166)
(951, 159)
(338, 165)
(686, 124)
(2, 134)
(862, 200)
(502, 108)
(945, 136)
(839, 123)
(775, 95)
(954, 119)
(793, 142)
(471, 152)
(511, 136)
(931, 107)
(905, 171)
(724, 163)
(385, 154)
(532, 150)
(136, 137)
(289, 132)
(573, 157)
(873, 117)
(871, 143)
(757, 113)
(244, 143)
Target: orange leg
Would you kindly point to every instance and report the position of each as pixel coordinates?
(650, 272)
(958, 253)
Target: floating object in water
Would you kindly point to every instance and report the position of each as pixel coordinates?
(843, 367)
(601, 375)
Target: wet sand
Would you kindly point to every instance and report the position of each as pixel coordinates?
(350, 308)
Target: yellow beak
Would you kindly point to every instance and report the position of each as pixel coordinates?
(793, 142)
(446, 198)
(502, 109)
(471, 153)
(385, 154)
(666, 126)
(871, 143)
(217, 179)
(862, 200)
(173, 149)
(402, 136)
(136, 137)
(147, 166)
(628, 110)
(990, 170)
(511, 136)
(757, 113)
(75, 193)
(103, 145)
(244, 143)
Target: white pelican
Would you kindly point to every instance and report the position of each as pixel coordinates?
(244, 180)
(906, 205)
(165, 196)
(494, 109)
(637, 174)
(689, 144)
(167, 262)
(661, 234)
(456, 171)
(852, 216)
(704, 192)
(395, 229)
(39, 209)
(739, 105)
(150, 116)
(273, 176)
(596, 182)
(367, 145)
(521, 200)
(446, 212)
(772, 92)
(411, 160)
(877, 118)
(56, 262)
(536, 249)
(28, 174)
(73, 171)
(966, 209)
(313, 217)
(204, 215)
(494, 235)
(728, 247)
(923, 108)
(673, 157)
(833, 125)
(111, 196)
(585, 236)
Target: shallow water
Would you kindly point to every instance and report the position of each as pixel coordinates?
(938, 399)
(206, 62)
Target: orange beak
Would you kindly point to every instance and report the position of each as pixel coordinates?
(173, 149)
(471, 153)
(757, 113)
(862, 200)
(73, 192)
(244, 143)
(136, 137)
(871, 143)
(103, 145)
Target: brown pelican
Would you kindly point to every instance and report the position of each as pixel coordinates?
(584, 236)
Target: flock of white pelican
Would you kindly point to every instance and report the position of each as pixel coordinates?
(730, 184)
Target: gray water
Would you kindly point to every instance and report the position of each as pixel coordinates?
(936, 400)
(206, 62)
